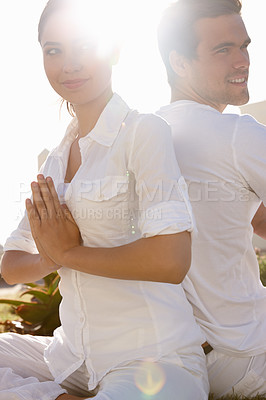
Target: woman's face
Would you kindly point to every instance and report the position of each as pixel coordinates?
(72, 63)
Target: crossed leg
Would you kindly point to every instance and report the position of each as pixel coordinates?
(24, 375)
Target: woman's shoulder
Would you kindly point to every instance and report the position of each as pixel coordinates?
(151, 126)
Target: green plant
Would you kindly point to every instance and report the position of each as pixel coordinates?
(262, 264)
(40, 315)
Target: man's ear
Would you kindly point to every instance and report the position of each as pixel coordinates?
(178, 63)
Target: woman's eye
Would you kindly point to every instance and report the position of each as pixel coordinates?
(87, 46)
(53, 52)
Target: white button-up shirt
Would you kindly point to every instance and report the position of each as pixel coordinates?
(223, 159)
(127, 187)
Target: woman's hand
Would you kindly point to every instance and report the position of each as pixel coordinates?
(161, 258)
(46, 262)
(54, 229)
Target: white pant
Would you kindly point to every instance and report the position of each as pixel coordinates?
(240, 375)
(24, 375)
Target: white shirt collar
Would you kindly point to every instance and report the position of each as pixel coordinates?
(110, 121)
(107, 126)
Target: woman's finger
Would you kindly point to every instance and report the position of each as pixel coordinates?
(31, 210)
(33, 215)
(47, 197)
(38, 201)
(67, 213)
(54, 195)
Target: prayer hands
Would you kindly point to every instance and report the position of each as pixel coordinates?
(53, 227)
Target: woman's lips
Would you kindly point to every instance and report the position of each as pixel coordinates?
(74, 83)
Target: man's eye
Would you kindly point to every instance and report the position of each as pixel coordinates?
(223, 50)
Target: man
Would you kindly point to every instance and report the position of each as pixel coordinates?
(204, 44)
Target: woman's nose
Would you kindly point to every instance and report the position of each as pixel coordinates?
(71, 64)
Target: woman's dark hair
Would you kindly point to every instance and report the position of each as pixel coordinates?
(49, 9)
(176, 29)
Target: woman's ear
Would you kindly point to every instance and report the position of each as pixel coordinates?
(178, 63)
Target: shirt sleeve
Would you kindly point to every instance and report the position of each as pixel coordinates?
(164, 206)
(21, 238)
(250, 154)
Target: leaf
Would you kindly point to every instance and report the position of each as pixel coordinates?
(50, 278)
(14, 302)
(33, 312)
(53, 285)
(40, 294)
(56, 298)
(50, 324)
(33, 285)
(41, 315)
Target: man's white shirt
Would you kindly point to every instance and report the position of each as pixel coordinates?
(223, 160)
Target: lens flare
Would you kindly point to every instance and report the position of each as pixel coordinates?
(103, 20)
(150, 378)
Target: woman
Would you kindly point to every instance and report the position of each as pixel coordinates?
(121, 243)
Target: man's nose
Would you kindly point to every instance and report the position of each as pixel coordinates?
(242, 59)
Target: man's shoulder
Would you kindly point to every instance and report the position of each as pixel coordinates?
(249, 120)
(190, 119)
(197, 115)
(194, 112)
(249, 130)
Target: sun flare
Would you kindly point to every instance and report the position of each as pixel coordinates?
(102, 21)
(114, 22)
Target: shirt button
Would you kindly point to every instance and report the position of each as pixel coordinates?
(82, 319)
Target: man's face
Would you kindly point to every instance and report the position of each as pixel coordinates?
(218, 75)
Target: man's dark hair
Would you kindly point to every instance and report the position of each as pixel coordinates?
(176, 30)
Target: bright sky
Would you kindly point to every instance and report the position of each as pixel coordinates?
(30, 109)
